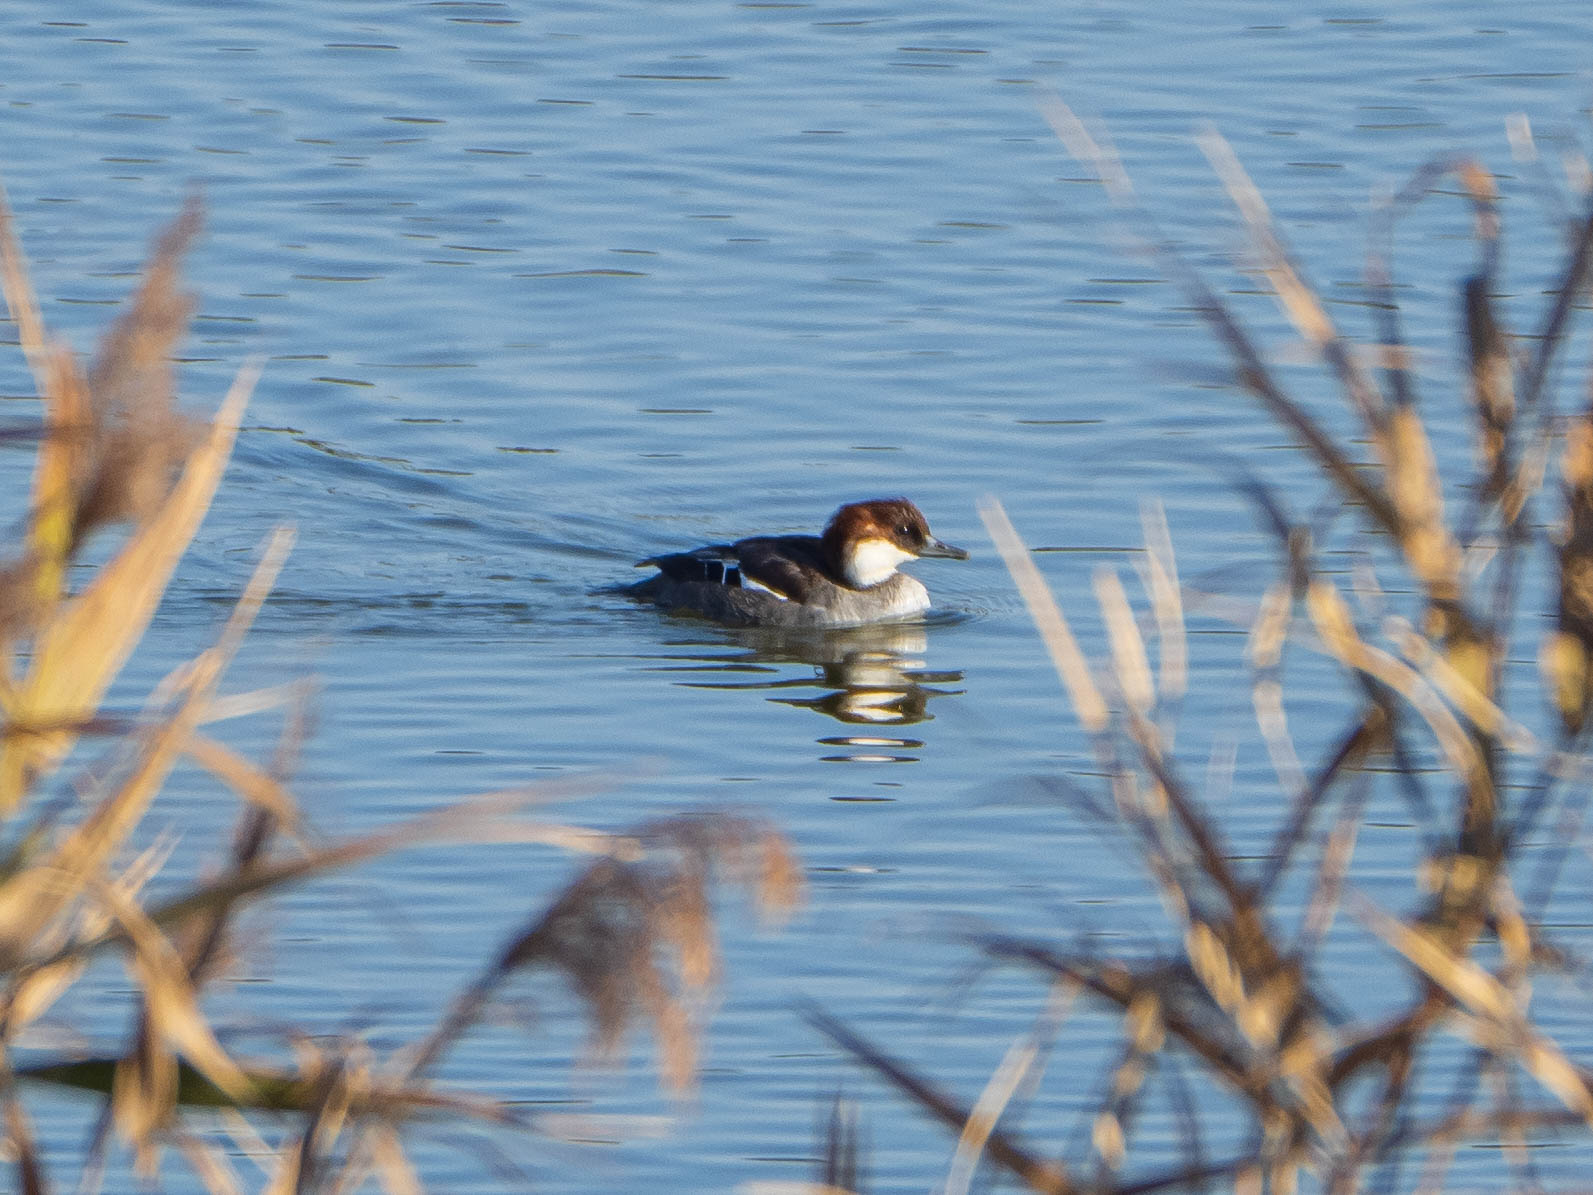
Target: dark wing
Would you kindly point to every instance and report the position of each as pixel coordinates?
(790, 565)
(715, 564)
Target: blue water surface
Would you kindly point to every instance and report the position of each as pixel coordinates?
(543, 289)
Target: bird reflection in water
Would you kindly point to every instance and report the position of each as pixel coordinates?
(868, 676)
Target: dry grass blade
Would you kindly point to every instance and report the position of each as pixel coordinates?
(205, 941)
(636, 937)
(1119, 986)
(1398, 435)
(1460, 690)
(1504, 1022)
(1020, 1062)
(115, 448)
(1096, 152)
(1202, 844)
(1331, 617)
(1567, 654)
(171, 1004)
(1131, 664)
(1143, 1030)
(332, 1093)
(261, 582)
(1297, 297)
(63, 459)
(35, 989)
(1047, 1177)
(1334, 867)
(1268, 635)
(1526, 481)
(143, 1092)
(76, 656)
(1399, 361)
(211, 1164)
(36, 896)
(476, 819)
(244, 778)
(1144, 805)
(1491, 367)
(1325, 1098)
(1492, 394)
(114, 440)
(1547, 343)
(19, 297)
(1413, 483)
(137, 438)
(1252, 371)
(1256, 378)
(51, 885)
(397, 1176)
(1066, 657)
(1161, 582)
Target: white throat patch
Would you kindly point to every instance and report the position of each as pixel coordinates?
(872, 561)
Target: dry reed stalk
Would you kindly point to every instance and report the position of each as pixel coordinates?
(1567, 655)
(843, 1150)
(1159, 576)
(1131, 662)
(1050, 1178)
(1328, 1098)
(635, 937)
(116, 449)
(1298, 298)
(79, 651)
(1068, 660)
(1020, 1063)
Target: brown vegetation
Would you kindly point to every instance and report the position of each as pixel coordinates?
(1239, 1024)
(632, 932)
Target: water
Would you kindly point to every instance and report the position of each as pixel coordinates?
(541, 292)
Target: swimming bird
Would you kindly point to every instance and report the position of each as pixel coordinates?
(845, 577)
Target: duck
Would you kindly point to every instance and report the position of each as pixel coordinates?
(846, 576)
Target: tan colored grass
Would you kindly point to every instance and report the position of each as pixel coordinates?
(634, 932)
(1237, 996)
